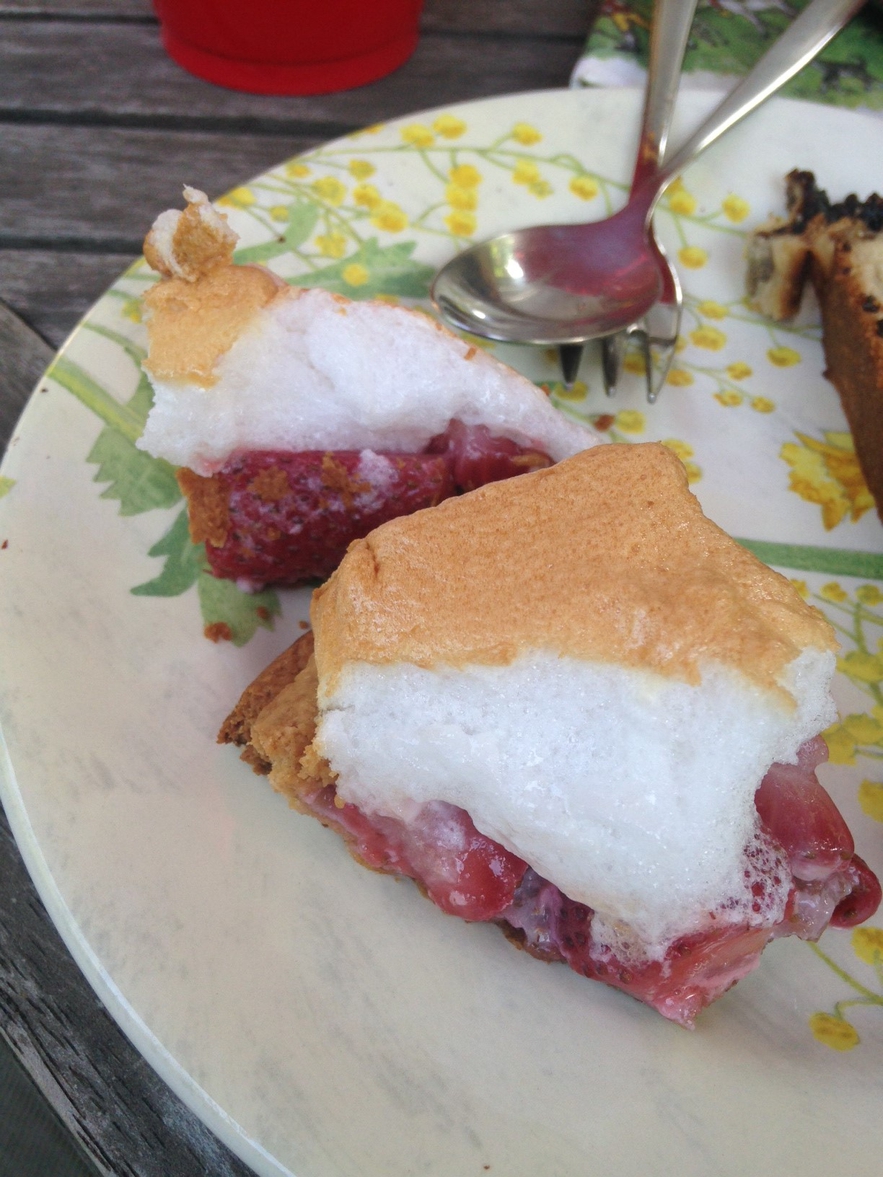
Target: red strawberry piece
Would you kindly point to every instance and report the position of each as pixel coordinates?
(695, 970)
(477, 457)
(470, 875)
(462, 871)
(803, 819)
(274, 517)
(291, 516)
(862, 900)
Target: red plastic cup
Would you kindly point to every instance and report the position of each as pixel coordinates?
(289, 46)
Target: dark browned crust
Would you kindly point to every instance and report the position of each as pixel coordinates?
(208, 510)
(806, 201)
(236, 728)
(777, 269)
(854, 358)
(825, 234)
(275, 723)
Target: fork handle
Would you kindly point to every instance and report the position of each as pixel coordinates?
(672, 20)
(804, 38)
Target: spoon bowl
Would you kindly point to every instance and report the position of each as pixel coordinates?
(554, 284)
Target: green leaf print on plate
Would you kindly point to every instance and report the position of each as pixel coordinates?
(231, 615)
(142, 483)
(138, 481)
(123, 419)
(228, 613)
(184, 562)
(374, 270)
(302, 218)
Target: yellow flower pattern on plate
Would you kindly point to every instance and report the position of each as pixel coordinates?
(858, 620)
(834, 1029)
(870, 798)
(827, 472)
(585, 187)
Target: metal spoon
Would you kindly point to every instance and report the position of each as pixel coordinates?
(564, 284)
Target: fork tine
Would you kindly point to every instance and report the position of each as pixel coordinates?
(660, 353)
(612, 348)
(644, 342)
(570, 357)
(663, 323)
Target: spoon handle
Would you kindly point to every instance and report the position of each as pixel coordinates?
(672, 20)
(806, 36)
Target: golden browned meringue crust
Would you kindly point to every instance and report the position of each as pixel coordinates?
(204, 301)
(604, 557)
(190, 325)
(201, 240)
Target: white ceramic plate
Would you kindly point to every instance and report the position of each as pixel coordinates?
(326, 1021)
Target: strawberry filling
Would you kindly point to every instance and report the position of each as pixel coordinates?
(801, 834)
(462, 871)
(291, 516)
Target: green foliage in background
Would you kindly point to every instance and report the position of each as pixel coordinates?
(848, 72)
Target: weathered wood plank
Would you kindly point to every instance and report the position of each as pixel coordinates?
(122, 75)
(33, 1140)
(100, 188)
(92, 9)
(528, 17)
(547, 17)
(125, 1118)
(51, 291)
(23, 356)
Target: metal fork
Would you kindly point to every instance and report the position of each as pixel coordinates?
(656, 334)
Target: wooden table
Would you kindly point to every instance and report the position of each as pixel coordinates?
(99, 130)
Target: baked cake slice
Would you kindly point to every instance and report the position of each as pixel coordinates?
(301, 420)
(838, 247)
(569, 704)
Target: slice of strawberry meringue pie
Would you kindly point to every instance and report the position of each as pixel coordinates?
(571, 705)
(301, 420)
